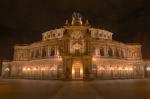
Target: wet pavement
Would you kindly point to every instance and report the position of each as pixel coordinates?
(53, 89)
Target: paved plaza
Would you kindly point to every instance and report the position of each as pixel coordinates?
(53, 89)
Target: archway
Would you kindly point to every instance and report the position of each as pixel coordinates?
(77, 70)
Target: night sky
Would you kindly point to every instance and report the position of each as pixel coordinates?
(23, 21)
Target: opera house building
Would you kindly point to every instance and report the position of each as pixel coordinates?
(76, 51)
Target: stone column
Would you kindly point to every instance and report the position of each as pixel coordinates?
(113, 52)
(40, 52)
(125, 53)
(46, 51)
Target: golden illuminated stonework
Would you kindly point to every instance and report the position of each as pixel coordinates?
(75, 52)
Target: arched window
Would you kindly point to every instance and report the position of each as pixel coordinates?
(117, 53)
(77, 52)
(52, 52)
(61, 51)
(49, 36)
(43, 52)
(93, 51)
(32, 54)
(100, 35)
(77, 48)
(53, 35)
(37, 54)
(110, 52)
(122, 54)
(96, 34)
(58, 34)
(102, 51)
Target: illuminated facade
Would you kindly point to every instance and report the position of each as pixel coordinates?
(76, 51)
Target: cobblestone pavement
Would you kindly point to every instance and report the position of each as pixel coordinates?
(53, 89)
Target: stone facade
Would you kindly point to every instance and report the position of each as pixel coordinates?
(76, 51)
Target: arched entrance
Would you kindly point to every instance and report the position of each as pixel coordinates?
(77, 70)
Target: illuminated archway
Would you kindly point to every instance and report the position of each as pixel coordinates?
(77, 70)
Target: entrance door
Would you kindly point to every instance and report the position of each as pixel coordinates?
(77, 70)
(77, 73)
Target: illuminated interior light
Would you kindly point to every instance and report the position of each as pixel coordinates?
(73, 71)
(120, 68)
(81, 71)
(53, 68)
(100, 68)
(148, 69)
(131, 69)
(34, 69)
(24, 69)
(42, 69)
(94, 59)
(59, 58)
(111, 68)
(126, 68)
(7, 69)
(28, 69)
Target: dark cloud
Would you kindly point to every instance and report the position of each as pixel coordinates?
(21, 19)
